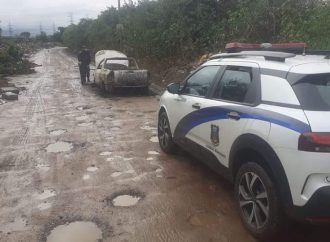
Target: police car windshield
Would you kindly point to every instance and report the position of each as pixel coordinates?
(313, 92)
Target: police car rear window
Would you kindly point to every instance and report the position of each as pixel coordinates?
(313, 92)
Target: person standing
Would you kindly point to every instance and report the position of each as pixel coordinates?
(84, 59)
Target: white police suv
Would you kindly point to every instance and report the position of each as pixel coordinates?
(262, 120)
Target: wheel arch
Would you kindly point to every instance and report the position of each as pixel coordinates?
(249, 146)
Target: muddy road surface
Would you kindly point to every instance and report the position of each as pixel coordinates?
(78, 166)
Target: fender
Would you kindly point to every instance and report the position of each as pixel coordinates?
(247, 143)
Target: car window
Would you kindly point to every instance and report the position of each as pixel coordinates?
(234, 84)
(100, 65)
(199, 83)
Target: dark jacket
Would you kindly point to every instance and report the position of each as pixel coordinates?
(84, 57)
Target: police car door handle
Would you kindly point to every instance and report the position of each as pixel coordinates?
(196, 106)
(234, 115)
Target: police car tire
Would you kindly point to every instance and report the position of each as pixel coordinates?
(169, 146)
(276, 218)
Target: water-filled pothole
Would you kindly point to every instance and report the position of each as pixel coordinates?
(81, 231)
(82, 118)
(57, 132)
(92, 168)
(60, 146)
(46, 194)
(153, 152)
(126, 198)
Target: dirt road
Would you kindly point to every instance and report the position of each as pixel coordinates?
(76, 163)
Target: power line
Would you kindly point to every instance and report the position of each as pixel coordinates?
(70, 17)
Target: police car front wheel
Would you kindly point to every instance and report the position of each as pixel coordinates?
(165, 135)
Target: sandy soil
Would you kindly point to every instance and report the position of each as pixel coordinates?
(76, 163)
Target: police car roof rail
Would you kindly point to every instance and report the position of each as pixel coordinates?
(268, 55)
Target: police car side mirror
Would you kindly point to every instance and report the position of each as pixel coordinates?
(174, 88)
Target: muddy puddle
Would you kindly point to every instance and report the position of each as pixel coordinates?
(60, 146)
(147, 127)
(125, 200)
(57, 132)
(79, 231)
(86, 177)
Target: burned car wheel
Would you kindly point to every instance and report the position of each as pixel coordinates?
(165, 135)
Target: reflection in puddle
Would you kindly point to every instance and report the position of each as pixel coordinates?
(59, 147)
(125, 201)
(57, 132)
(154, 139)
(77, 231)
(43, 167)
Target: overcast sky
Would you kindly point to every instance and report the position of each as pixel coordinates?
(29, 14)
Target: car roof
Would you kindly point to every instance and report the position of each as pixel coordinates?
(301, 64)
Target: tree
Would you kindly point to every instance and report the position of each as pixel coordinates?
(25, 35)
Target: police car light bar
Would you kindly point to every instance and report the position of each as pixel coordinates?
(296, 48)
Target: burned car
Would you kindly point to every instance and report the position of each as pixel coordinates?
(115, 70)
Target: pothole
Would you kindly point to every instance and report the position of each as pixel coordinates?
(81, 231)
(154, 139)
(57, 132)
(125, 198)
(60, 146)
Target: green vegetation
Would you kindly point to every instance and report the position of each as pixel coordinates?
(12, 59)
(167, 29)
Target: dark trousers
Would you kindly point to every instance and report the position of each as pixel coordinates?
(84, 72)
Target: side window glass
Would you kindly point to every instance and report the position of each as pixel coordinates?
(234, 84)
(201, 81)
(100, 65)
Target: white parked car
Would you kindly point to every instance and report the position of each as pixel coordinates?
(261, 119)
(115, 70)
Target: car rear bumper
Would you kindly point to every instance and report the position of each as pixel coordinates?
(316, 209)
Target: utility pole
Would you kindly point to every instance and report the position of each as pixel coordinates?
(54, 28)
(40, 28)
(71, 18)
(10, 30)
(118, 4)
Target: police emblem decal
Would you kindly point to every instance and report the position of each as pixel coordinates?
(215, 139)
